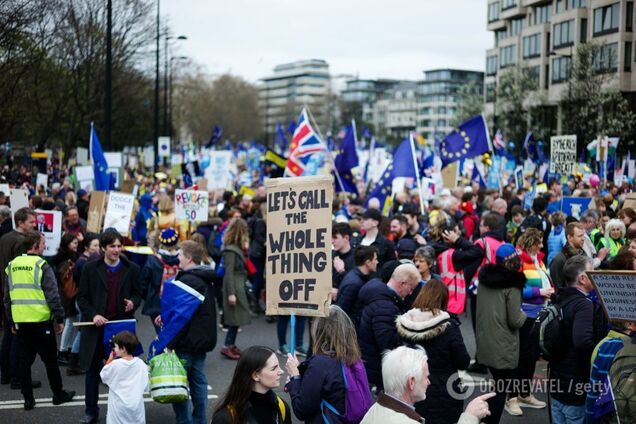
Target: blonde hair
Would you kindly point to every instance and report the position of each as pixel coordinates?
(236, 233)
(335, 336)
(531, 237)
(166, 205)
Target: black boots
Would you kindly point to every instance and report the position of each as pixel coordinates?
(73, 365)
(63, 397)
(63, 357)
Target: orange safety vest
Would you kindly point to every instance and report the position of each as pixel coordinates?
(454, 280)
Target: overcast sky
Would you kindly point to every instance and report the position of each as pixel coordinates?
(368, 38)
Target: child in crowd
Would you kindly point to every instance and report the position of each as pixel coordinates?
(516, 218)
(127, 378)
(556, 239)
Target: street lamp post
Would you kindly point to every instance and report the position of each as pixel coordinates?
(166, 83)
(170, 86)
(108, 102)
(155, 139)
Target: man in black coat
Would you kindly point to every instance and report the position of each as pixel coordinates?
(198, 336)
(342, 254)
(370, 224)
(108, 290)
(584, 325)
(366, 261)
(380, 305)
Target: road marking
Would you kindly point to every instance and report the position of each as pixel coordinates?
(77, 401)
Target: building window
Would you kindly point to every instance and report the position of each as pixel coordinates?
(500, 35)
(628, 56)
(441, 110)
(542, 14)
(576, 4)
(606, 59)
(535, 73)
(629, 16)
(508, 4)
(583, 30)
(493, 12)
(559, 6)
(563, 34)
(508, 56)
(491, 65)
(606, 19)
(532, 46)
(516, 25)
(491, 90)
(560, 69)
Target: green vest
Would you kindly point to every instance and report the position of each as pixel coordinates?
(28, 303)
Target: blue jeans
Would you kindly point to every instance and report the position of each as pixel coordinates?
(281, 330)
(230, 339)
(195, 366)
(567, 414)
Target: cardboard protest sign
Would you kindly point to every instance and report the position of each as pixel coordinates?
(96, 209)
(42, 180)
(630, 201)
(299, 245)
(562, 154)
(449, 175)
(218, 172)
(617, 291)
(128, 186)
(191, 205)
(118, 211)
(575, 206)
(49, 223)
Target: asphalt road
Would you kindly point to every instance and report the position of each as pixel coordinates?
(219, 371)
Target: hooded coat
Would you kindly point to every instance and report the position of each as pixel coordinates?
(441, 338)
(499, 316)
(234, 283)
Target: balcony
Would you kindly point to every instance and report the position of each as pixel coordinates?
(526, 3)
(513, 12)
(496, 25)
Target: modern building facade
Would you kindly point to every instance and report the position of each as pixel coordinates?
(544, 35)
(292, 86)
(438, 99)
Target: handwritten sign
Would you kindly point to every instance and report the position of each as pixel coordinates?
(617, 291)
(118, 211)
(191, 205)
(96, 211)
(298, 245)
(49, 223)
(562, 154)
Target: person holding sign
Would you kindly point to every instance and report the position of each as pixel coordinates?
(236, 308)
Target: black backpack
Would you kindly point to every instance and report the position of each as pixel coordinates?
(549, 330)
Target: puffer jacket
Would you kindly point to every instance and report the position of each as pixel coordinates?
(380, 306)
(348, 293)
(442, 340)
(499, 316)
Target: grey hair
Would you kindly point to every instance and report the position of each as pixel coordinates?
(613, 223)
(400, 364)
(5, 212)
(574, 267)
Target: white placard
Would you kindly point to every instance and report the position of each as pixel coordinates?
(82, 155)
(149, 156)
(84, 173)
(218, 172)
(164, 147)
(19, 199)
(5, 189)
(118, 211)
(49, 223)
(191, 205)
(114, 159)
(562, 154)
(617, 291)
(42, 180)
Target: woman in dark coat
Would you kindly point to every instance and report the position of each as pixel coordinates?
(430, 326)
(250, 397)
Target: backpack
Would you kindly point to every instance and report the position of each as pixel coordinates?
(69, 288)
(549, 330)
(623, 378)
(358, 398)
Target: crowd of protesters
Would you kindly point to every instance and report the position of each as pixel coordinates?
(403, 281)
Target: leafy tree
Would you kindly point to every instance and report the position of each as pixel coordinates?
(592, 103)
(470, 103)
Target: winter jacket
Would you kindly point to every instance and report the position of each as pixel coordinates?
(259, 405)
(441, 338)
(257, 236)
(234, 283)
(379, 307)
(151, 278)
(348, 293)
(471, 224)
(533, 302)
(386, 249)
(612, 245)
(584, 325)
(199, 334)
(347, 258)
(499, 316)
(321, 379)
(556, 241)
(556, 267)
(388, 410)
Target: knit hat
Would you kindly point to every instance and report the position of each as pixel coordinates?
(467, 207)
(169, 237)
(505, 252)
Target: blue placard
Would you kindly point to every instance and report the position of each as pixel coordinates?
(575, 206)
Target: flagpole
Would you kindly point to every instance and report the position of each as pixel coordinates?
(333, 162)
(417, 172)
(90, 142)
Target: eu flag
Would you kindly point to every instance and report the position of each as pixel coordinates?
(403, 165)
(346, 160)
(217, 132)
(100, 166)
(530, 146)
(470, 139)
(280, 140)
(112, 328)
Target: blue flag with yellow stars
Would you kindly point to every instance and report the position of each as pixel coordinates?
(402, 165)
(100, 166)
(470, 139)
(346, 160)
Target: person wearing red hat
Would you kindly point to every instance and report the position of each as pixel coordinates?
(469, 218)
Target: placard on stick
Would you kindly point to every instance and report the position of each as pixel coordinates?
(299, 245)
(617, 291)
(191, 205)
(96, 210)
(118, 212)
(562, 154)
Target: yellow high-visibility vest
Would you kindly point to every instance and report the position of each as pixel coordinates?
(28, 303)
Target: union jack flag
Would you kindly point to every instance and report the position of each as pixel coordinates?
(305, 143)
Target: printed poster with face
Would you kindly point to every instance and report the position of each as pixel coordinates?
(49, 223)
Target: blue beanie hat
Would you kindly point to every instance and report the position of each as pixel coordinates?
(169, 237)
(505, 252)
